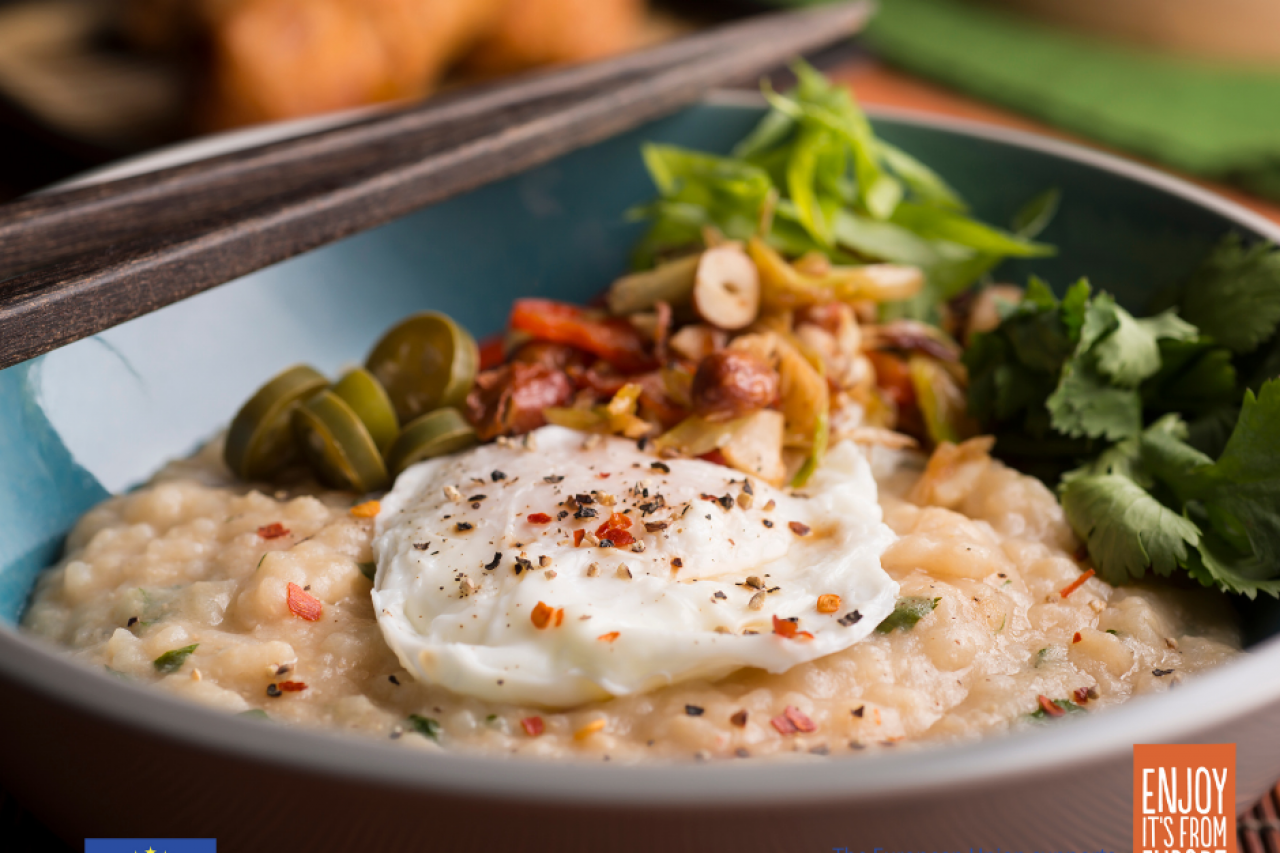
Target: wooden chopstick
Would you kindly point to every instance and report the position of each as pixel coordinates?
(128, 247)
(42, 229)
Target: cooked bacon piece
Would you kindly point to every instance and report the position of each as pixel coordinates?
(729, 384)
(893, 378)
(553, 355)
(611, 338)
(303, 604)
(509, 400)
(493, 352)
(274, 530)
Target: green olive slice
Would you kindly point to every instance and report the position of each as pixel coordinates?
(437, 433)
(260, 439)
(336, 443)
(360, 390)
(425, 361)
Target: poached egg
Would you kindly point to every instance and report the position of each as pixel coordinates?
(571, 568)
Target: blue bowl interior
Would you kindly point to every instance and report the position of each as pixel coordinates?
(100, 415)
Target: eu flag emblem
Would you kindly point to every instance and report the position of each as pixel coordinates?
(150, 845)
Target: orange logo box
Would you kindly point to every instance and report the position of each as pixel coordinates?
(1184, 798)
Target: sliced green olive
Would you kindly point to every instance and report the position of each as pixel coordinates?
(336, 443)
(260, 440)
(425, 362)
(360, 390)
(437, 433)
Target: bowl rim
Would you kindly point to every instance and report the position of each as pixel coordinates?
(1249, 680)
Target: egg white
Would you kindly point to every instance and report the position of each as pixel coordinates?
(455, 603)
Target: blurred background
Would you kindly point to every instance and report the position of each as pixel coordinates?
(1192, 84)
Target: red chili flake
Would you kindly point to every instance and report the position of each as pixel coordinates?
(1076, 638)
(578, 536)
(615, 530)
(274, 530)
(798, 528)
(292, 686)
(790, 630)
(619, 520)
(609, 637)
(303, 604)
(618, 537)
(532, 726)
(799, 719)
(1049, 706)
(1081, 695)
(603, 475)
(539, 518)
(784, 725)
(1077, 583)
(542, 615)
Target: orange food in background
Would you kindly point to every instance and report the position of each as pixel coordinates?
(274, 59)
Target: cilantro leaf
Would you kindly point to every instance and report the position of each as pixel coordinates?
(1087, 405)
(1216, 563)
(1127, 530)
(1240, 493)
(1234, 297)
(1195, 377)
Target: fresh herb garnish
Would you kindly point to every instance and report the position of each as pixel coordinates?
(1065, 704)
(813, 177)
(1159, 432)
(255, 714)
(425, 726)
(172, 660)
(909, 610)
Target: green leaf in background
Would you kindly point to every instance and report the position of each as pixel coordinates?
(1234, 298)
(1240, 492)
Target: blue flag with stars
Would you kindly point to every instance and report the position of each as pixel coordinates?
(150, 845)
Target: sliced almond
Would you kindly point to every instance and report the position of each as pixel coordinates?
(726, 289)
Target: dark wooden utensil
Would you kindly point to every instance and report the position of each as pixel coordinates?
(82, 260)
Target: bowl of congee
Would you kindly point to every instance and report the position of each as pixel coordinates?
(766, 477)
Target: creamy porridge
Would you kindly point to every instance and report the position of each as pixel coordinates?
(1009, 635)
